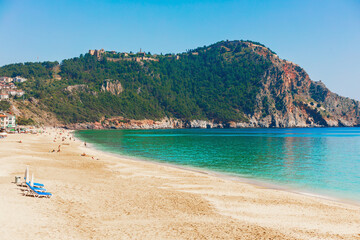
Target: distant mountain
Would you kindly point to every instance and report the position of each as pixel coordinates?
(227, 84)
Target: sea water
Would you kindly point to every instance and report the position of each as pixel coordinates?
(323, 161)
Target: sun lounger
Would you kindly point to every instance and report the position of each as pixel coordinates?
(39, 189)
(35, 193)
(36, 184)
(36, 188)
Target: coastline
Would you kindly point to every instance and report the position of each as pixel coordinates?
(148, 124)
(227, 176)
(115, 197)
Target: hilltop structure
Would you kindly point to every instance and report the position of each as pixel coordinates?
(97, 53)
(114, 56)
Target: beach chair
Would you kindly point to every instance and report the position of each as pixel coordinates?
(31, 191)
(37, 188)
(37, 185)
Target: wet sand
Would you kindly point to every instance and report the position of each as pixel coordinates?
(102, 196)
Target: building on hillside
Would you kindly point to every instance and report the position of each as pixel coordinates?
(15, 92)
(4, 96)
(12, 92)
(6, 79)
(20, 93)
(19, 79)
(9, 89)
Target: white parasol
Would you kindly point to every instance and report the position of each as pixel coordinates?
(32, 180)
(27, 174)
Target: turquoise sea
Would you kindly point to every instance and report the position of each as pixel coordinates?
(323, 161)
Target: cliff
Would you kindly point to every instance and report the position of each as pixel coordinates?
(289, 98)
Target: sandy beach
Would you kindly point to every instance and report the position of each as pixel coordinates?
(102, 196)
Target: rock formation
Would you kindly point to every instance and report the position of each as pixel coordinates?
(114, 87)
(289, 98)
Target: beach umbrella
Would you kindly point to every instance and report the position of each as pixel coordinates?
(27, 174)
(32, 180)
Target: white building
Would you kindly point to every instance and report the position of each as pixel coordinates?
(7, 120)
(11, 120)
(19, 93)
(19, 79)
(6, 79)
(12, 92)
(4, 96)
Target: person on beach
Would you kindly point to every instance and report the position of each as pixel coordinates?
(85, 144)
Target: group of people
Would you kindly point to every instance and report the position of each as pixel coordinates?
(63, 138)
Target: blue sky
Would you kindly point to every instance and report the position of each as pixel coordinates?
(321, 36)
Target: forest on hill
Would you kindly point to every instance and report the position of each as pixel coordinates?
(216, 83)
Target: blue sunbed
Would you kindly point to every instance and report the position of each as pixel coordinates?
(38, 189)
(33, 192)
(37, 184)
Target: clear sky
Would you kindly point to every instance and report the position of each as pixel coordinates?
(321, 36)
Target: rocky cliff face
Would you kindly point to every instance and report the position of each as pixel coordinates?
(289, 98)
(114, 87)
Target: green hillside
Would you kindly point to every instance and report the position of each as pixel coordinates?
(218, 82)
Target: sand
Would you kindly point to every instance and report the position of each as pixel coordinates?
(101, 196)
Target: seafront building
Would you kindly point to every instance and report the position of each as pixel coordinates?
(7, 120)
(2, 121)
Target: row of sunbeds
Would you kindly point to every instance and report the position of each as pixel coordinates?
(34, 189)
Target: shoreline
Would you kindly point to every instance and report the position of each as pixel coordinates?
(95, 127)
(101, 196)
(122, 123)
(225, 175)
